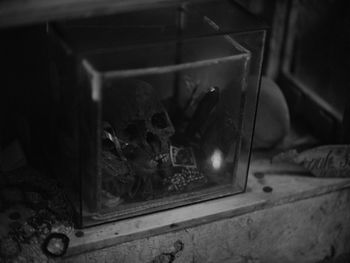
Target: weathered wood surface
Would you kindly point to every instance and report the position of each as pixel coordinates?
(309, 230)
(24, 12)
(302, 220)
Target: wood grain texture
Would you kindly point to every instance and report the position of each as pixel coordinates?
(287, 189)
(26, 12)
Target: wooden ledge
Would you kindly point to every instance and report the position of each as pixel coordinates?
(285, 189)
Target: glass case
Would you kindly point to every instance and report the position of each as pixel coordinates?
(154, 109)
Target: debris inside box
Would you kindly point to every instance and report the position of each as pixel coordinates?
(145, 156)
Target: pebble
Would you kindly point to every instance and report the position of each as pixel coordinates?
(267, 189)
(259, 175)
(79, 234)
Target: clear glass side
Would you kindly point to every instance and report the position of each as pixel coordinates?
(254, 42)
(89, 119)
(170, 133)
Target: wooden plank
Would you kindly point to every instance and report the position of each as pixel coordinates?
(26, 12)
(285, 189)
(310, 230)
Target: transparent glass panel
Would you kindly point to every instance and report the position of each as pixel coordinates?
(170, 134)
(157, 107)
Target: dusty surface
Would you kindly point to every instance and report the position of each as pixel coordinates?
(300, 220)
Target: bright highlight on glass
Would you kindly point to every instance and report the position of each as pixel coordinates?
(216, 159)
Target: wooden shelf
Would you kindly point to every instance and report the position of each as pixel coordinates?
(28, 12)
(287, 189)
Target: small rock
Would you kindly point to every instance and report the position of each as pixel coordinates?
(79, 234)
(267, 189)
(56, 244)
(259, 175)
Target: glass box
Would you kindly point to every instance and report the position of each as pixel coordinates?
(155, 108)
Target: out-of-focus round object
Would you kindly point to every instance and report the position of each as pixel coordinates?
(56, 244)
(273, 119)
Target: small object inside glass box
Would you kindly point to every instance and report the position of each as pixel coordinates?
(151, 118)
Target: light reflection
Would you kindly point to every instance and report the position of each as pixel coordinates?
(216, 159)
